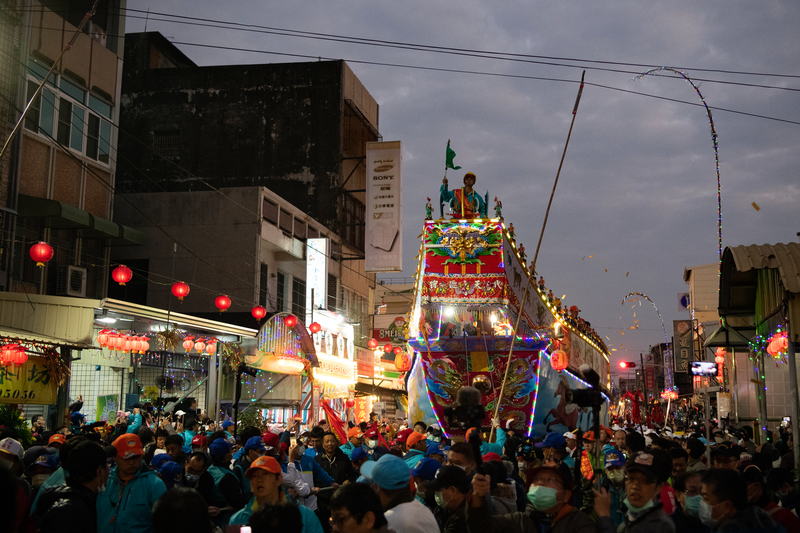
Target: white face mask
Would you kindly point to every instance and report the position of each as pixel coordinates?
(39, 479)
(372, 443)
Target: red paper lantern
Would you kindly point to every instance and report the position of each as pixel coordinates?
(180, 290)
(102, 338)
(397, 350)
(122, 274)
(7, 354)
(222, 302)
(145, 345)
(41, 253)
(290, 321)
(188, 343)
(211, 348)
(119, 342)
(18, 356)
(559, 360)
(373, 343)
(402, 361)
(388, 348)
(350, 404)
(200, 346)
(258, 312)
(314, 327)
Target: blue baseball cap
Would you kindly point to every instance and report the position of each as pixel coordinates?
(47, 460)
(614, 457)
(426, 468)
(390, 472)
(219, 447)
(358, 454)
(158, 460)
(434, 449)
(255, 443)
(227, 424)
(553, 440)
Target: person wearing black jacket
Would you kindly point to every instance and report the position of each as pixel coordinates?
(72, 507)
(334, 461)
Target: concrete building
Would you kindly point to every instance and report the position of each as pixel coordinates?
(59, 175)
(299, 129)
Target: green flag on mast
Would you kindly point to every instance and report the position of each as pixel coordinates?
(449, 156)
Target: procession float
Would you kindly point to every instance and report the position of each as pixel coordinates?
(470, 280)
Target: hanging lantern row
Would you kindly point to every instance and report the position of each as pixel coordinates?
(388, 348)
(12, 354)
(202, 345)
(120, 342)
(180, 290)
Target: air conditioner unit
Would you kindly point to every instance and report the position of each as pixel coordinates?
(71, 281)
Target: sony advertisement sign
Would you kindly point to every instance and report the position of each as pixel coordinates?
(383, 232)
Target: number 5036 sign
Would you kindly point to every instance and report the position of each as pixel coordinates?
(29, 383)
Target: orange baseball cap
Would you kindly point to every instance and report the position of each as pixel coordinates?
(266, 463)
(128, 445)
(57, 437)
(413, 439)
(354, 432)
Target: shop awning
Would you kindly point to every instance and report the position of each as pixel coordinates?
(58, 215)
(50, 319)
(727, 336)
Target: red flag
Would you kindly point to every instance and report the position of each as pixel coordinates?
(336, 423)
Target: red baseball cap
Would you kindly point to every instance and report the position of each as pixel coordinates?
(57, 437)
(491, 456)
(270, 439)
(199, 440)
(403, 435)
(266, 463)
(372, 434)
(128, 445)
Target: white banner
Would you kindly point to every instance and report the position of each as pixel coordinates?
(316, 274)
(384, 242)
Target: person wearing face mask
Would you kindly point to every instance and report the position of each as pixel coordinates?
(450, 487)
(725, 507)
(253, 449)
(614, 482)
(782, 483)
(72, 507)
(687, 492)
(759, 495)
(371, 440)
(549, 506)
(645, 475)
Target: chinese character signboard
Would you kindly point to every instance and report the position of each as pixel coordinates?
(383, 235)
(683, 344)
(362, 408)
(650, 379)
(29, 383)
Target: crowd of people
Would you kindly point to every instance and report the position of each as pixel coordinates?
(147, 474)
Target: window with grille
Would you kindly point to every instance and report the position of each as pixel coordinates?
(280, 294)
(286, 222)
(167, 143)
(332, 292)
(263, 279)
(270, 211)
(298, 297)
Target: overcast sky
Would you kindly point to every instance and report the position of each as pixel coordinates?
(638, 187)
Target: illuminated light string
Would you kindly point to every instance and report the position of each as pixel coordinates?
(682, 74)
(666, 337)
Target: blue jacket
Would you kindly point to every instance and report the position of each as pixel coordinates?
(496, 447)
(130, 508)
(412, 457)
(187, 435)
(348, 449)
(134, 426)
(310, 521)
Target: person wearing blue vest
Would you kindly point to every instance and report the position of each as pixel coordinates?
(190, 428)
(225, 426)
(131, 491)
(266, 479)
(226, 485)
(417, 445)
(136, 420)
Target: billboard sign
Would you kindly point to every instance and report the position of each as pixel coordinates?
(316, 273)
(383, 235)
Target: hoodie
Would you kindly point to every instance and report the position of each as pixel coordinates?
(750, 520)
